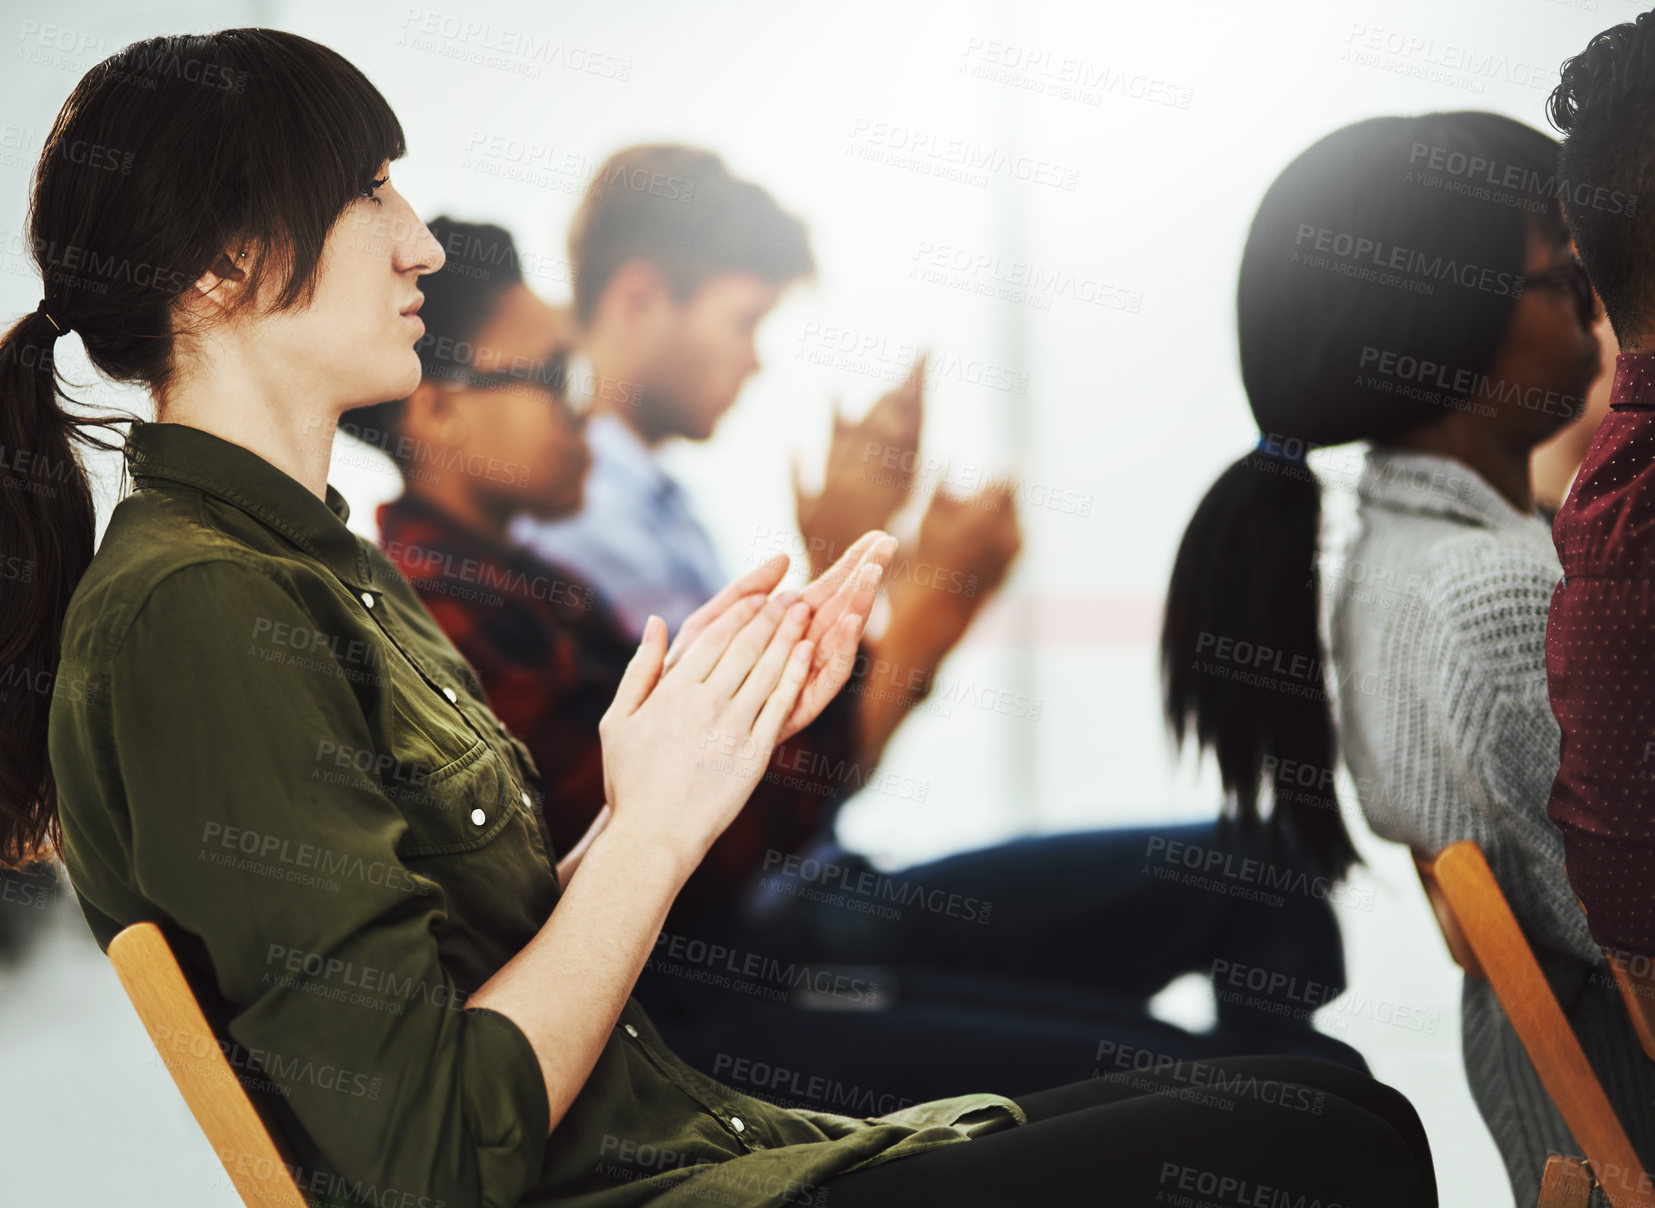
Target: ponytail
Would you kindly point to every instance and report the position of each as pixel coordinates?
(1241, 653)
(47, 526)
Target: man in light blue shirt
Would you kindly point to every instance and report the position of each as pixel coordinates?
(678, 261)
(637, 539)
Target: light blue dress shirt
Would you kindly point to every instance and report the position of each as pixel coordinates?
(636, 539)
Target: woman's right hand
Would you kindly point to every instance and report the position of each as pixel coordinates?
(684, 747)
(840, 600)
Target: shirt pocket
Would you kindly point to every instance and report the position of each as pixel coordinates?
(455, 791)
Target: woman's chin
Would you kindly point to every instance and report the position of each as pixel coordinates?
(395, 384)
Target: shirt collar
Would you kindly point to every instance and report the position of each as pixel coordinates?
(620, 450)
(1432, 484)
(1634, 380)
(433, 528)
(243, 479)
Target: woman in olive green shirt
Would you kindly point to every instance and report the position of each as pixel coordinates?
(260, 739)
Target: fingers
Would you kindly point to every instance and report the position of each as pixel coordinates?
(836, 654)
(766, 673)
(908, 391)
(748, 646)
(909, 399)
(913, 386)
(821, 590)
(882, 552)
(855, 597)
(895, 418)
(761, 580)
(702, 654)
(834, 660)
(943, 503)
(643, 670)
(784, 700)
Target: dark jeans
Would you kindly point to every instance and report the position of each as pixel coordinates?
(1010, 969)
(1248, 1130)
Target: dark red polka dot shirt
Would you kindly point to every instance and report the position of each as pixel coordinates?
(1600, 667)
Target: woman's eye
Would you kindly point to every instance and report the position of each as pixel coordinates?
(368, 190)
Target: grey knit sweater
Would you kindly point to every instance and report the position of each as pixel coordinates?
(1435, 624)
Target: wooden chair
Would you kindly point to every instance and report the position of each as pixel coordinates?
(254, 1157)
(1638, 992)
(1566, 1183)
(1485, 940)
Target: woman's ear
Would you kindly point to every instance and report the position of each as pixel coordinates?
(220, 289)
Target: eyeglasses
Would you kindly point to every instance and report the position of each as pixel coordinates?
(1573, 277)
(550, 375)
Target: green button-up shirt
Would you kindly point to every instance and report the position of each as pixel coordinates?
(263, 742)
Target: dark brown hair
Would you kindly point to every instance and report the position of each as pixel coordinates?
(168, 160)
(680, 209)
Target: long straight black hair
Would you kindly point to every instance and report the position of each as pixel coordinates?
(1393, 235)
(169, 159)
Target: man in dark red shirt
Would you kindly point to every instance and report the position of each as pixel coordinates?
(1600, 637)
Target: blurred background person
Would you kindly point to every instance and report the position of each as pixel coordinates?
(677, 263)
(1433, 674)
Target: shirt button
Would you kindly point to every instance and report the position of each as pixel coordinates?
(526, 800)
(449, 693)
(735, 1123)
(368, 599)
(631, 1031)
(479, 817)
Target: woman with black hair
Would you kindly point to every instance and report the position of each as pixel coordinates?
(1407, 282)
(272, 751)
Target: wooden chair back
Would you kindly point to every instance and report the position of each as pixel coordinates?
(1486, 941)
(254, 1157)
(1636, 979)
(1567, 1183)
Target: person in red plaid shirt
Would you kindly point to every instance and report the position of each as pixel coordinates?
(550, 653)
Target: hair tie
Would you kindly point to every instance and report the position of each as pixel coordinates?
(1274, 446)
(59, 329)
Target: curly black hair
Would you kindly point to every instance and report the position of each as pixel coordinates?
(1605, 108)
